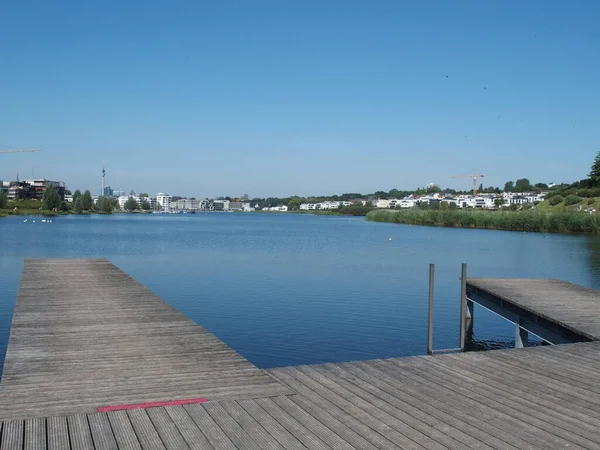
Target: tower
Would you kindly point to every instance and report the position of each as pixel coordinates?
(103, 175)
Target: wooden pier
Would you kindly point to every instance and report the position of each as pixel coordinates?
(103, 340)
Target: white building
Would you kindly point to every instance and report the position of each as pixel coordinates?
(382, 203)
(122, 199)
(406, 203)
(283, 208)
(188, 204)
(163, 202)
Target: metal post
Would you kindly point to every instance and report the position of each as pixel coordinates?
(430, 311)
(463, 304)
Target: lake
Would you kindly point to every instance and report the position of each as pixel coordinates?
(288, 289)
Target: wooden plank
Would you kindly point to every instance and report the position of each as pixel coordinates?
(79, 432)
(410, 426)
(217, 438)
(145, 430)
(230, 427)
(304, 435)
(12, 435)
(284, 437)
(102, 433)
(527, 427)
(193, 436)
(435, 410)
(166, 428)
(453, 404)
(447, 435)
(256, 432)
(320, 384)
(331, 439)
(123, 430)
(321, 415)
(403, 434)
(334, 405)
(35, 434)
(58, 433)
(500, 384)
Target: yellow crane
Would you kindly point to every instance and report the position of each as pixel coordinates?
(21, 151)
(474, 176)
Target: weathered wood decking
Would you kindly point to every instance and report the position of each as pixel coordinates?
(85, 335)
(567, 305)
(533, 398)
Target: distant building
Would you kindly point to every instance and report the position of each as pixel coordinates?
(188, 204)
(123, 199)
(221, 205)
(163, 202)
(108, 192)
(240, 206)
(33, 189)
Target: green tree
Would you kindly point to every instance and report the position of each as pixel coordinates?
(444, 205)
(78, 206)
(64, 206)
(105, 205)
(499, 202)
(50, 199)
(86, 200)
(145, 205)
(76, 195)
(131, 204)
(595, 171)
(3, 200)
(509, 186)
(294, 203)
(523, 185)
(144, 195)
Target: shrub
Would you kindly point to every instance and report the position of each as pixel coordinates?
(572, 200)
(555, 200)
(591, 201)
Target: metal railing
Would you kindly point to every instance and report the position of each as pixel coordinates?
(464, 312)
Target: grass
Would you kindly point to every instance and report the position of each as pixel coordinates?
(531, 221)
(545, 206)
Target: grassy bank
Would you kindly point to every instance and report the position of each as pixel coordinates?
(532, 221)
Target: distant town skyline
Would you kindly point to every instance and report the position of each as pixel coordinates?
(307, 98)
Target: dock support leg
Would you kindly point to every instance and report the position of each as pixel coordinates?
(469, 320)
(521, 337)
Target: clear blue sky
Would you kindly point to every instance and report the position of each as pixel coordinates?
(298, 97)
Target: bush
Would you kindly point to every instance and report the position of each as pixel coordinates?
(591, 201)
(572, 200)
(555, 200)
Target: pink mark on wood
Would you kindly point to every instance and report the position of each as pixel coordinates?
(152, 404)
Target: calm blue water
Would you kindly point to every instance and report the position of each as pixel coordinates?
(298, 289)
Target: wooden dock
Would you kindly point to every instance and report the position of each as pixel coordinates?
(533, 398)
(86, 335)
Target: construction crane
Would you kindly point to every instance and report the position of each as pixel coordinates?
(21, 151)
(474, 177)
